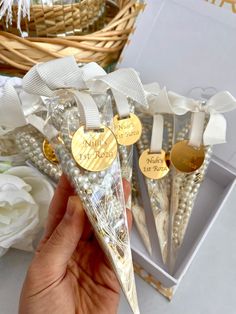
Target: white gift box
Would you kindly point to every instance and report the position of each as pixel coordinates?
(188, 46)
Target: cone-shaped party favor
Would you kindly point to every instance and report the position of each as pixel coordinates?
(185, 187)
(199, 126)
(158, 190)
(101, 191)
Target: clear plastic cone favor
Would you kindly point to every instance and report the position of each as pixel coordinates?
(185, 187)
(198, 126)
(158, 190)
(101, 191)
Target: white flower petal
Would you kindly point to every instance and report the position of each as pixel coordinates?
(12, 183)
(42, 192)
(15, 197)
(4, 219)
(23, 171)
(25, 196)
(24, 226)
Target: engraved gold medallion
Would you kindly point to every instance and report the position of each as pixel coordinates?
(94, 150)
(153, 165)
(187, 158)
(127, 130)
(49, 152)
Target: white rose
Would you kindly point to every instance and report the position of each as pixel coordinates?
(25, 196)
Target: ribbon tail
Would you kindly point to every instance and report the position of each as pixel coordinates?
(215, 132)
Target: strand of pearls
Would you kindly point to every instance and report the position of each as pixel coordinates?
(30, 143)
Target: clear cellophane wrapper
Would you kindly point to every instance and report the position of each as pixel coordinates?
(126, 157)
(139, 213)
(158, 190)
(184, 190)
(100, 192)
(30, 143)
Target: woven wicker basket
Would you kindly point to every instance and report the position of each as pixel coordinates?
(60, 19)
(18, 55)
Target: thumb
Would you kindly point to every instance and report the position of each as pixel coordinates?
(58, 250)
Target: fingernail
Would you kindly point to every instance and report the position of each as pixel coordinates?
(71, 207)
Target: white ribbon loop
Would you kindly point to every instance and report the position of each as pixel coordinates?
(221, 102)
(158, 104)
(157, 134)
(88, 111)
(122, 104)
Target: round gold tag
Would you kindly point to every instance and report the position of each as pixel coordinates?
(49, 152)
(127, 130)
(94, 150)
(153, 165)
(187, 158)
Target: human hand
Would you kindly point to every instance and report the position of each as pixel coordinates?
(70, 273)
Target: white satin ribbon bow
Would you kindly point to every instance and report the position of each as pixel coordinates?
(44, 79)
(161, 101)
